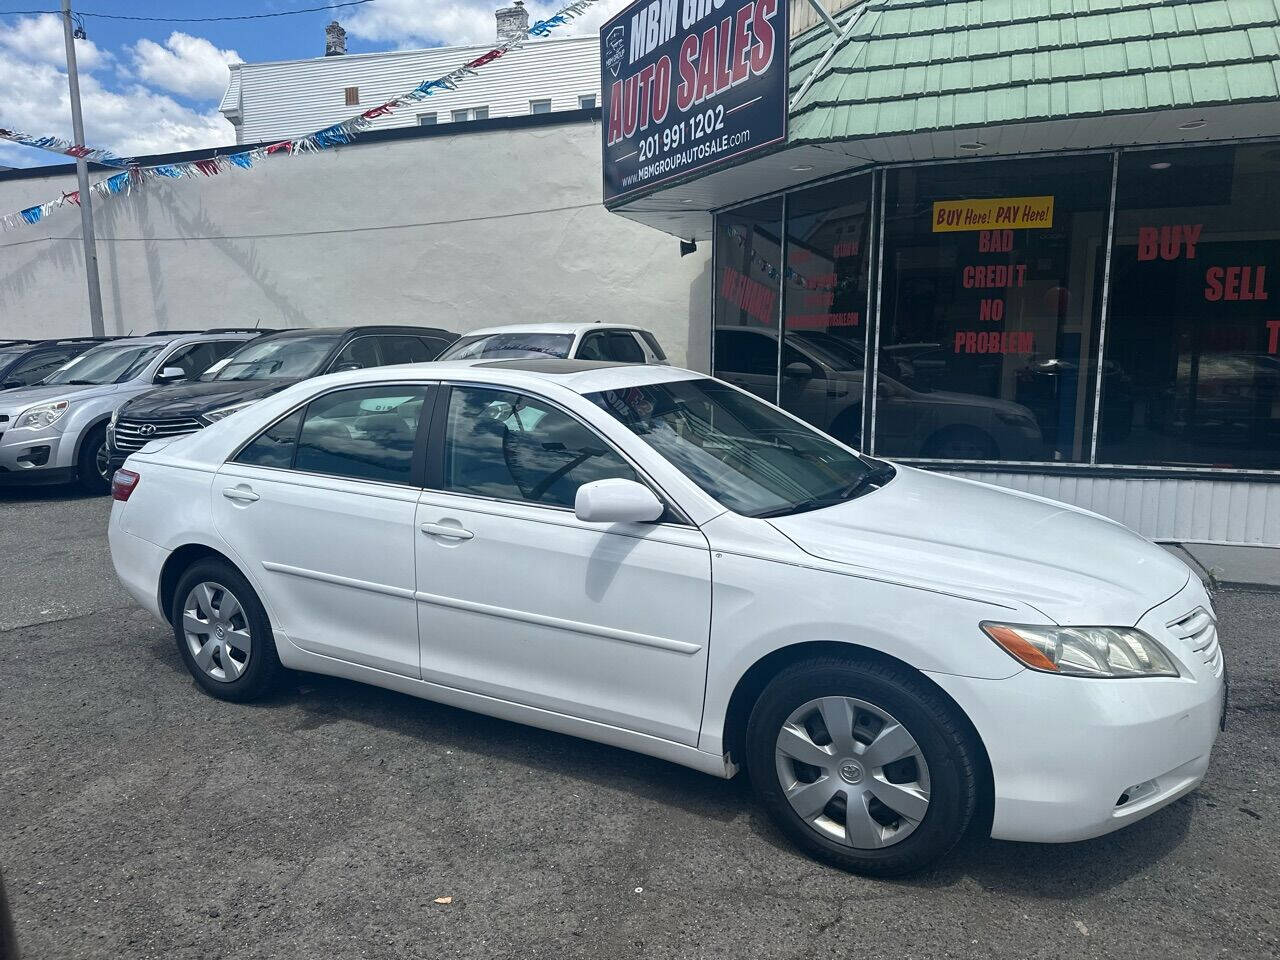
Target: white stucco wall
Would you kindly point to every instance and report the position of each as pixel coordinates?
(458, 231)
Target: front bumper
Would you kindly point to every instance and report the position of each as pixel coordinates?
(36, 456)
(1074, 758)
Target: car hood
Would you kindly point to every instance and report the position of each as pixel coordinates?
(196, 399)
(20, 398)
(976, 540)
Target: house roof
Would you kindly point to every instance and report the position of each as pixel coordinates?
(911, 66)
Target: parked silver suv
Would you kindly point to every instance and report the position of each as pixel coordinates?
(56, 431)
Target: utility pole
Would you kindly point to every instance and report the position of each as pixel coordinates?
(82, 175)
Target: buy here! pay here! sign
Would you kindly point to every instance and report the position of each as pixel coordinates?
(689, 84)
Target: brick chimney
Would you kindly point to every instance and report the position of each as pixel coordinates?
(513, 21)
(335, 40)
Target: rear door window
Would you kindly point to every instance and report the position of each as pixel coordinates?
(405, 350)
(368, 433)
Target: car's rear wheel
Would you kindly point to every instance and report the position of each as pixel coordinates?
(93, 468)
(223, 633)
(862, 764)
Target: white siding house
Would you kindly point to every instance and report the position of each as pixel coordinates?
(286, 98)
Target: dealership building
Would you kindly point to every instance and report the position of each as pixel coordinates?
(1034, 243)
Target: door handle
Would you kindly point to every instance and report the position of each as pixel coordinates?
(240, 494)
(446, 530)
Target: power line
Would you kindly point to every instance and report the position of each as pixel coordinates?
(321, 232)
(246, 16)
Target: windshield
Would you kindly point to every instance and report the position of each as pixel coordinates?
(8, 356)
(834, 352)
(746, 454)
(106, 364)
(496, 345)
(284, 357)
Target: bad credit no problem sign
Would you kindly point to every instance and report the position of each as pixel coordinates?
(687, 85)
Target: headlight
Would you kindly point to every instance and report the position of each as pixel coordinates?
(1015, 419)
(213, 416)
(45, 415)
(1084, 651)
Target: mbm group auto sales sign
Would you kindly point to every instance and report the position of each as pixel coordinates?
(687, 85)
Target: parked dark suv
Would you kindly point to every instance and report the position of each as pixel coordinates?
(261, 368)
(24, 363)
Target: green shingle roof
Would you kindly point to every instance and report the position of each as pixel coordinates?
(914, 66)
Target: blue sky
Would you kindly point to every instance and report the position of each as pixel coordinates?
(152, 87)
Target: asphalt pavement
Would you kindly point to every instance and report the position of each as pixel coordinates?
(139, 818)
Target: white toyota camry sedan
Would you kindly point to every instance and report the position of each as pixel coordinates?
(654, 559)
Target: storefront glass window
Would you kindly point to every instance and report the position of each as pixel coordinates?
(748, 270)
(1192, 366)
(992, 282)
(825, 304)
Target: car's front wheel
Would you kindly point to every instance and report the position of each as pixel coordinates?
(223, 633)
(862, 764)
(93, 469)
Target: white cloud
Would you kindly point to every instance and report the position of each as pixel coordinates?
(410, 23)
(185, 65)
(132, 120)
(40, 40)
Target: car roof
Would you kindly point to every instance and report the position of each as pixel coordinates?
(580, 376)
(403, 329)
(559, 327)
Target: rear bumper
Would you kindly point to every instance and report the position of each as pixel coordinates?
(138, 563)
(1066, 752)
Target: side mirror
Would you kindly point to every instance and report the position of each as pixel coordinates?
(344, 367)
(171, 375)
(797, 370)
(616, 501)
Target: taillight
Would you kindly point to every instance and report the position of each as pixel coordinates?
(123, 484)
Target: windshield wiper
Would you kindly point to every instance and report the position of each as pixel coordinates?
(82, 383)
(876, 477)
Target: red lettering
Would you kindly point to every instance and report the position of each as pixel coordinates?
(1213, 284)
(1232, 284)
(615, 112)
(724, 79)
(646, 94)
(1273, 336)
(687, 92)
(741, 44)
(766, 41)
(661, 89)
(1191, 236)
(707, 66)
(630, 106)
(1147, 242)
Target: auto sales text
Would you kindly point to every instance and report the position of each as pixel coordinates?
(710, 61)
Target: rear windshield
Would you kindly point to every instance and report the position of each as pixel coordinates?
(495, 346)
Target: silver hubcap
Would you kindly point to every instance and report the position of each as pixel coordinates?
(217, 631)
(103, 462)
(852, 772)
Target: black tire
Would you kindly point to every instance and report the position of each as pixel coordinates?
(944, 738)
(261, 668)
(87, 474)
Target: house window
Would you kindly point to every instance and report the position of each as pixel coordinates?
(539, 106)
(471, 113)
(426, 119)
(587, 102)
(352, 96)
